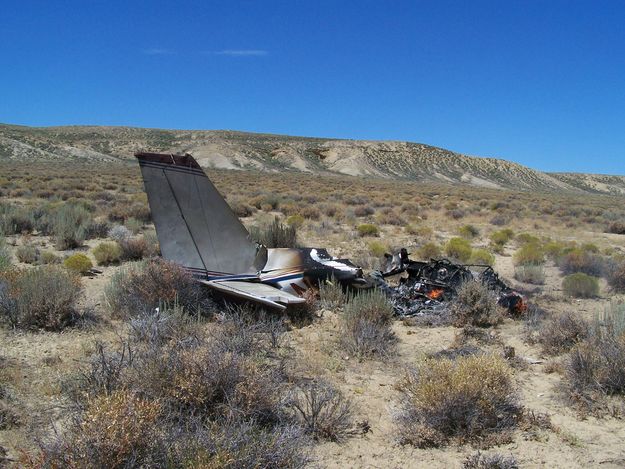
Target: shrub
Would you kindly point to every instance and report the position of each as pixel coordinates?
(501, 237)
(377, 248)
(475, 305)
(367, 229)
(141, 287)
(321, 409)
(529, 254)
(580, 285)
(107, 253)
(366, 325)
(240, 208)
(48, 257)
(597, 365)
(27, 253)
(489, 461)
(42, 297)
(616, 227)
(616, 277)
(134, 249)
(331, 294)
(526, 238)
(295, 220)
(363, 210)
(15, 220)
(580, 260)
(133, 225)
(458, 249)
(275, 235)
(560, 333)
(78, 263)
(468, 231)
(482, 256)
(467, 399)
(429, 251)
(534, 274)
(69, 226)
(119, 233)
(554, 249)
(5, 255)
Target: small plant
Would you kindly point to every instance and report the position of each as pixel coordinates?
(534, 274)
(70, 226)
(468, 231)
(275, 235)
(580, 285)
(331, 294)
(482, 256)
(5, 255)
(480, 460)
(78, 263)
(140, 288)
(48, 257)
(120, 233)
(27, 253)
(366, 325)
(526, 238)
(133, 225)
(134, 249)
(107, 253)
(616, 277)
(581, 260)
(295, 220)
(561, 333)
(467, 399)
(322, 410)
(458, 249)
(377, 248)
(429, 251)
(616, 227)
(42, 297)
(367, 229)
(501, 237)
(475, 305)
(529, 254)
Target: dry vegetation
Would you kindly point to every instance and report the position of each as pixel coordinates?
(341, 384)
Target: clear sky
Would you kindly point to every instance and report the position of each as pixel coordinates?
(541, 83)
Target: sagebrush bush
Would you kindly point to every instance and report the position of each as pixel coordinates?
(366, 325)
(295, 220)
(534, 274)
(331, 295)
(78, 263)
(48, 257)
(481, 460)
(377, 248)
(580, 285)
(580, 260)
(562, 332)
(458, 249)
(367, 229)
(501, 237)
(321, 409)
(141, 287)
(275, 235)
(119, 233)
(468, 399)
(468, 231)
(42, 297)
(616, 227)
(70, 225)
(596, 366)
(616, 277)
(27, 253)
(5, 255)
(107, 253)
(475, 305)
(529, 254)
(135, 249)
(181, 399)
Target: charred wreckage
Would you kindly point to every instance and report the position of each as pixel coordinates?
(197, 230)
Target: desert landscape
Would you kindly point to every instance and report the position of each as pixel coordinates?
(92, 376)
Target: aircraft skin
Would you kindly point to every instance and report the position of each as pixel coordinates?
(197, 230)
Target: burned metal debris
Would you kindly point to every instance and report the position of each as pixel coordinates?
(429, 286)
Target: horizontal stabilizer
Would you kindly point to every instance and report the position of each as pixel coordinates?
(254, 291)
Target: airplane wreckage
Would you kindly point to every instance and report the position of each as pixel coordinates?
(197, 229)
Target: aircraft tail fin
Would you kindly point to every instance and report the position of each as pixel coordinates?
(195, 226)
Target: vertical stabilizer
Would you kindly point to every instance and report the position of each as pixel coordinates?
(195, 226)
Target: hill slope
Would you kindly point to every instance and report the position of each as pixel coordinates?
(240, 150)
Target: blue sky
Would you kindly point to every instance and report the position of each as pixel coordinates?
(541, 83)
